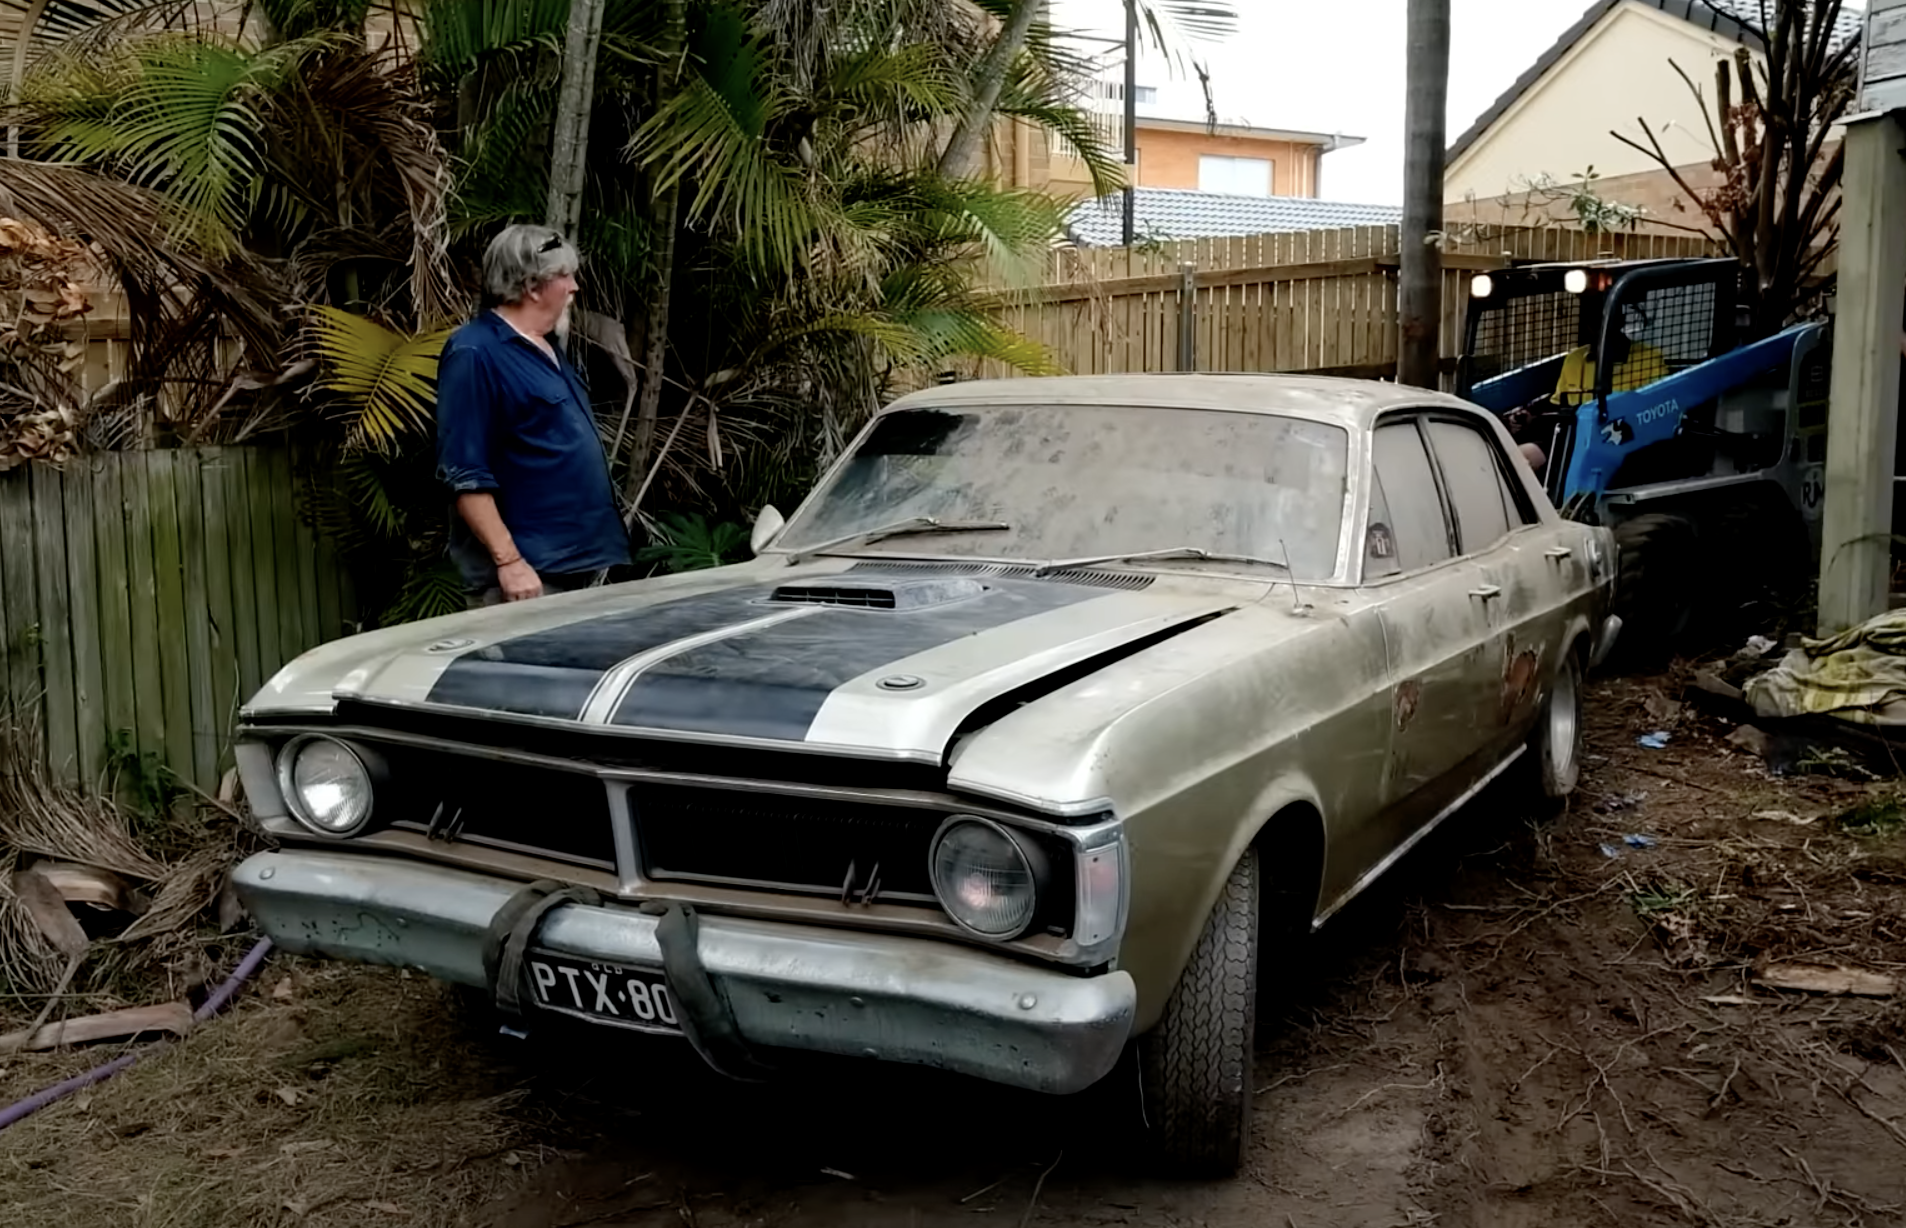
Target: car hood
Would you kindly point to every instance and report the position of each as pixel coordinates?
(877, 659)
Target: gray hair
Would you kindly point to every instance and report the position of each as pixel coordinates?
(523, 257)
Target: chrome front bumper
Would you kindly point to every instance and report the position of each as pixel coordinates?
(805, 987)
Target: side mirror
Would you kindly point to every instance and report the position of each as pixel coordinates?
(767, 526)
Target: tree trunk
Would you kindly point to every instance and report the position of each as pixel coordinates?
(654, 356)
(1420, 278)
(962, 157)
(569, 143)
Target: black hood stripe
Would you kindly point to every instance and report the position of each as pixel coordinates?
(552, 673)
(771, 683)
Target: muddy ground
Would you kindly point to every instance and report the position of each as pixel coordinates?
(1537, 1021)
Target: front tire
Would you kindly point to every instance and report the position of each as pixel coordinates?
(1195, 1066)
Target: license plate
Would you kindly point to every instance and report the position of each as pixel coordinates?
(626, 997)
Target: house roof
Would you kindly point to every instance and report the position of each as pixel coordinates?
(1329, 140)
(1179, 213)
(1736, 19)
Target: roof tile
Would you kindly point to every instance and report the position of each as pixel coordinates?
(1179, 213)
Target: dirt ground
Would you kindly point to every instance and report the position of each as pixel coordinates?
(1535, 1022)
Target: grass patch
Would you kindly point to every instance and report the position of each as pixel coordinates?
(1877, 818)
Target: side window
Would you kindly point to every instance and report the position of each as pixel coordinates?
(1406, 514)
(1472, 466)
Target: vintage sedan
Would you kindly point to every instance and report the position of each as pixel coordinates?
(1057, 706)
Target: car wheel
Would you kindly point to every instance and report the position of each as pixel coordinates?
(1556, 744)
(1195, 1066)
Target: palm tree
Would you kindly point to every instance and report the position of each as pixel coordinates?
(787, 157)
(1167, 26)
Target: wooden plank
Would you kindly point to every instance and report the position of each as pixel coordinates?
(291, 636)
(80, 513)
(206, 726)
(245, 624)
(272, 652)
(113, 583)
(304, 561)
(61, 727)
(20, 643)
(168, 569)
(142, 604)
(222, 666)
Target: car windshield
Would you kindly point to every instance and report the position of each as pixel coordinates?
(1086, 481)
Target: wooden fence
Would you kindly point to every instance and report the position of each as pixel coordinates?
(145, 595)
(1318, 301)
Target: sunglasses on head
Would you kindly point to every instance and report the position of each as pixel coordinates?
(550, 244)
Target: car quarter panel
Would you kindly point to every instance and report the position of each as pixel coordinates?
(1196, 743)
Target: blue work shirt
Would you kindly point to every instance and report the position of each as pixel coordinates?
(514, 423)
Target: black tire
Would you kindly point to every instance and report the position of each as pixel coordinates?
(1656, 583)
(1195, 1066)
(1555, 748)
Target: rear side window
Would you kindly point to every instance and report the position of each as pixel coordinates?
(1407, 529)
(1473, 473)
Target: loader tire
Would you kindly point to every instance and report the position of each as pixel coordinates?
(1195, 1066)
(1656, 584)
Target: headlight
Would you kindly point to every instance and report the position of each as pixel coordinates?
(326, 785)
(1482, 286)
(987, 878)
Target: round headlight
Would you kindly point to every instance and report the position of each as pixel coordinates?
(326, 785)
(986, 877)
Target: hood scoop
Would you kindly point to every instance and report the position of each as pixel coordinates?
(897, 593)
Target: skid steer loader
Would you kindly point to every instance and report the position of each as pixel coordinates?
(1702, 449)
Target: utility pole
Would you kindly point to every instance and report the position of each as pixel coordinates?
(1420, 277)
(1131, 113)
(569, 144)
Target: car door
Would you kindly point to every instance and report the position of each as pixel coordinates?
(1436, 626)
(1525, 569)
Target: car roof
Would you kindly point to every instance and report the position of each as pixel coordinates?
(1353, 403)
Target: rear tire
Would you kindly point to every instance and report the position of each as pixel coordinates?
(1556, 744)
(1195, 1066)
(1654, 589)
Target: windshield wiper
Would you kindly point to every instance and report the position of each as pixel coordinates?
(899, 528)
(1168, 552)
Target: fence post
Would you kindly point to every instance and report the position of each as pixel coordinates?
(1187, 316)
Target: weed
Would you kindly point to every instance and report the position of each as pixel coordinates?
(1876, 818)
(1656, 899)
(150, 782)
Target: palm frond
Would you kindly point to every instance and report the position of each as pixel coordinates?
(430, 591)
(386, 379)
(187, 121)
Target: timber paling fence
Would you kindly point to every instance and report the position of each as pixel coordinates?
(144, 595)
(1322, 302)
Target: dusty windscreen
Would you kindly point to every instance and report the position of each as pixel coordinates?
(1079, 480)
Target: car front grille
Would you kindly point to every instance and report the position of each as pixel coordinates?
(858, 851)
(471, 800)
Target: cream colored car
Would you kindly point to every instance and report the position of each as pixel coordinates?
(1053, 706)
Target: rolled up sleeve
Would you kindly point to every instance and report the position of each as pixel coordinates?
(465, 407)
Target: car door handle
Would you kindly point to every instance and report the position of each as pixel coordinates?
(1557, 552)
(1487, 592)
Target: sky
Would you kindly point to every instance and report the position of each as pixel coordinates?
(1337, 66)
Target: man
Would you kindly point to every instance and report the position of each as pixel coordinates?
(516, 442)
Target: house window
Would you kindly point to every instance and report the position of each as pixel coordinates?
(1234, 176)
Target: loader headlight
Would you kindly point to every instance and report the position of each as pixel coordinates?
(1482, 286)
(1575, 281)
(326, 784)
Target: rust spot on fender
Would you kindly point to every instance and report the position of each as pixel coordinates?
(1519, 670)
(1408, 694)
